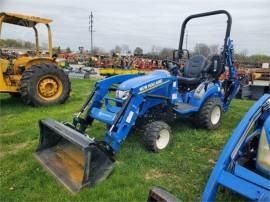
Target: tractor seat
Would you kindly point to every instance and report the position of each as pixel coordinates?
(215, 68)
(263, 154)
(193, 70)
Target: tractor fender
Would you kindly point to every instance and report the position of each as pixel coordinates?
(35, 61)
(212, 90)
(27, 62)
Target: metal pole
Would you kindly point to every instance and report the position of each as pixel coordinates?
(91, 30)
(186, 39)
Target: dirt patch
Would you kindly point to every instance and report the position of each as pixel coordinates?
(212, 161)
(207, 150)
(9, 133)
(153, 174)
(118, 162)
(156, 174)
(20, 145)
(14, 148)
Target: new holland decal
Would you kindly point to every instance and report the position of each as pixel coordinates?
(150, 86)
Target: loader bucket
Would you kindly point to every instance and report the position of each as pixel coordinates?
(72, 158)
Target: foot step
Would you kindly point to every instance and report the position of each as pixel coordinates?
(183, 106)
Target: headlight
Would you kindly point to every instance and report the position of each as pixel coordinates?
(122, 94)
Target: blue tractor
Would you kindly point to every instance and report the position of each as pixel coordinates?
(140, 100)
(244, 164)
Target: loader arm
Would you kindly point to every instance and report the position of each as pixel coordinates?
(95, 98)
(121, 119)
(123, 122)
(232, 175)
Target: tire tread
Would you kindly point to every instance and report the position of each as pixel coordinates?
(26, 85)
(151, 133)
(202, 118)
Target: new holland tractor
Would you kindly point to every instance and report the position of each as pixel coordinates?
(145, 101)
(35, 78)
(244, 164)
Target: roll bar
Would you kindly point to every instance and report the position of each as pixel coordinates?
(217, 12)
(13, 18)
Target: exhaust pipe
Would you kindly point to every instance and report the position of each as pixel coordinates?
(72, 158)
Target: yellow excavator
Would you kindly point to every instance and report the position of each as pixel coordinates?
(35, 78)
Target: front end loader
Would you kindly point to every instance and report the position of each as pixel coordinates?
(76, 160)
(244, 164)
(148, 102)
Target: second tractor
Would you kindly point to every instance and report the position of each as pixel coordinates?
(35, 78)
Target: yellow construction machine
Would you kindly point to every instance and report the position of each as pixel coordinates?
(36, 79)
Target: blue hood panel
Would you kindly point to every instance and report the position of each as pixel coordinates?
(142, 80)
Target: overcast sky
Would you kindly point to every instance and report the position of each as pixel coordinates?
(144, 23)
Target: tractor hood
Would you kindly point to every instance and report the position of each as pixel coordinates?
(140, 81)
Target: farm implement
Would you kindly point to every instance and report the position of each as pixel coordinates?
(145, 101)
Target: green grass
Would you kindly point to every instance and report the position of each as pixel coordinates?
(183, 168)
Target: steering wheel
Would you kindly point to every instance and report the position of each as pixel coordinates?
(172, 66)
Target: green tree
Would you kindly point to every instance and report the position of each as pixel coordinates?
(54, 50)
(166, 53)
(116, 50)
(58, 50)
(68, 50)
(138, 51)
(259, 58)
(28, 45)
(202, 49)
(2, 43)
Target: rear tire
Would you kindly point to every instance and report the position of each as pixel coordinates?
(44, 84)
(210, 114)
(157, 136)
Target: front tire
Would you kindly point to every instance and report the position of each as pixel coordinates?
(157, 136)
(210, 114)
(44, 84)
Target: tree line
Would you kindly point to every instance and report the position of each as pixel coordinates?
(160, 52)
(16, 43)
